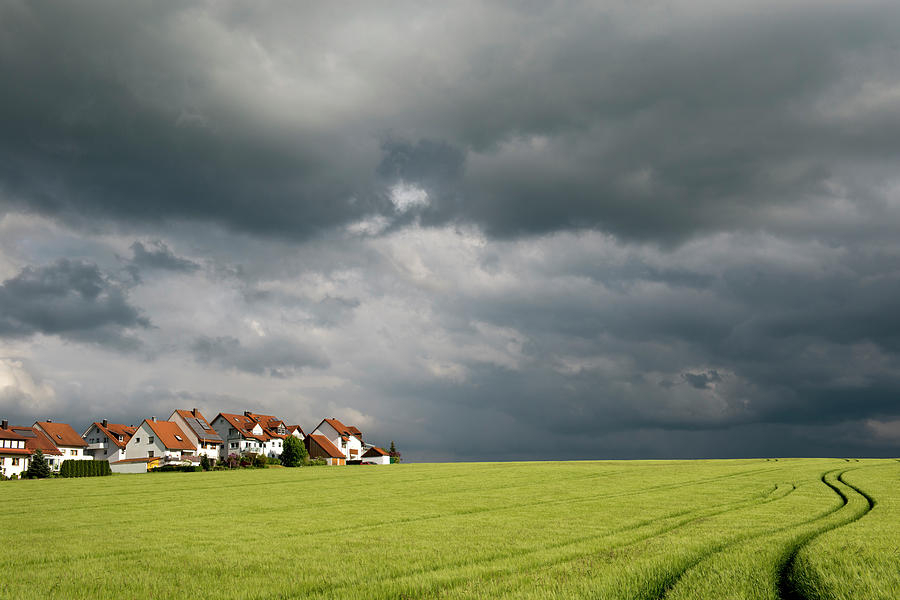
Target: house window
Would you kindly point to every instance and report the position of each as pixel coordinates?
(15, 461)
(150, 440)
(137, 440)
(150, 454)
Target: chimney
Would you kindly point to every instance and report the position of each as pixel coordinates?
(246, 413)
(153, 419)
(49, 421)
(4, 424)
(105, 423)
(194, 411)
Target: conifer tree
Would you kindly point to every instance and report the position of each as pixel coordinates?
(37, 468)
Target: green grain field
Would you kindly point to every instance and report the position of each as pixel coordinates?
(760, 529)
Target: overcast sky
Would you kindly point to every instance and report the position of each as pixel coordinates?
(488, 232)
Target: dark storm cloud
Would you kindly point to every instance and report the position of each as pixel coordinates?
(71, 299)
(273, 357)
(159, 256)
(670, 228)
(701, 381)
(644, 122)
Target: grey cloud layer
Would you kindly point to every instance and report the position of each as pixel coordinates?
(633, 119)
(273, 357)
(626, 230)
(70, 299)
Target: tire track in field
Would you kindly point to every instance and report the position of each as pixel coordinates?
(667, 586)
(704, 512)
(787, 589)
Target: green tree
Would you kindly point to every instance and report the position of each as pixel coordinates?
(37, 467)
(204, 462)
(392, 452)
(293, 453)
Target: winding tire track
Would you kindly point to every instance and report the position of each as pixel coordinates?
(681, 519)
(669, 583)
(787, 590)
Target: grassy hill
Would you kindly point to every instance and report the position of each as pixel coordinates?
(761, 529)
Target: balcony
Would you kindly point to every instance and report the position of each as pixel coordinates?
(98, 446)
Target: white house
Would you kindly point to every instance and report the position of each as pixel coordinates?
(199, 432)
(347, 439)
(37, 440)
(107, 441)
(13, 453)
(159, 439)
(251, 432)
(70, 444)
(275, 429)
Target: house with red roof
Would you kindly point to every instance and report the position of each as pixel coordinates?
(37, 440)
(107, 441)
(160, 439)
(199, 432)
(347, 439)
(14, 454)
(296, 431)
(70, 444)
(251, 432)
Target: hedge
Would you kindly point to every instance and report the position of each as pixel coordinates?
(85, 468)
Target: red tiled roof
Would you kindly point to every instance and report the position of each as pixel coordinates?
(375, 451)
(344, 430)
(326, 446)
(292, 428)
(166, 432)
(9, 434)
(38, 440)
(244, 425)
(61, 434)
(113, 430)
(22, 451)
(186, 414)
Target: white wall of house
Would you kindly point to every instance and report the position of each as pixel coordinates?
(240, 445)
(100, 447)
(13, 464)
(146, 441)
(54, 461)
(74, 453)
(273, 447)
(378, 460)
(206, 449)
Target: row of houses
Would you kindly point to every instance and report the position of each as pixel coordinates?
(183, 438)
